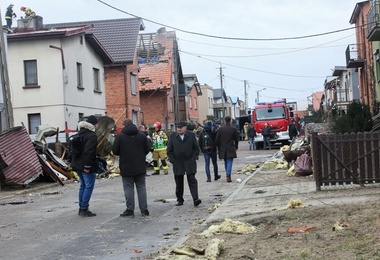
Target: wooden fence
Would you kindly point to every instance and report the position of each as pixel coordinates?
(343, 159)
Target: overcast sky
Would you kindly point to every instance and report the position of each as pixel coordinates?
(291, 69)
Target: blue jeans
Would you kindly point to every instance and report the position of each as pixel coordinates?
(87, 183)
(228, 166)
(252, 145)
(213, 158)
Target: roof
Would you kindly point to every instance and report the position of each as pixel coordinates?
(118, 36)
(155, 53)
(63, 32)
(217, 93)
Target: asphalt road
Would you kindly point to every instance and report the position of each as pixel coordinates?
(43, 223)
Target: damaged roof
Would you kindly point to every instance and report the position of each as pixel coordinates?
(155, 52)
(118, 36)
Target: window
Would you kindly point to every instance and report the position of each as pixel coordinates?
(96, 79)
(190, 102)
(135, 117)
(34, 120)
(30, 70)
(79, 75)
(195, 102)
(133, 84)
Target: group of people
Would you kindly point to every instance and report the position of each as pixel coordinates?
(10, 14)
(133, 144)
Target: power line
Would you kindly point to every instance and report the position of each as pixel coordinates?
(224, 37)
(262, 71)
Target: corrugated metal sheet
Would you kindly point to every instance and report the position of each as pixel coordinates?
(17, 152)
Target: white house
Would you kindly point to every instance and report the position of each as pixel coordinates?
(56, 76)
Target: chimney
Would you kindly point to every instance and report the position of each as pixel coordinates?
(30, 24)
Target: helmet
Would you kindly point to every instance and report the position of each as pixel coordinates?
(22, 8)
(158, 125)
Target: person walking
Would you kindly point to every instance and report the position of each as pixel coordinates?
(159, 139)
(227, 140)
(85, 164)
(293, 131)
(132, 146)
(251, 135)
(207, 144)
(266, 136)
(9, 14)
(183, 153)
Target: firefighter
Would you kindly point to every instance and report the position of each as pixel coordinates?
(245, 128)
(9, 14)
(28, 12)
(159, 140)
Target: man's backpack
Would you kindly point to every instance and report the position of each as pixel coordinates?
(75, 146)
(207, 143)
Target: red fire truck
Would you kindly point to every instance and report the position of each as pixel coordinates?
(278, 116)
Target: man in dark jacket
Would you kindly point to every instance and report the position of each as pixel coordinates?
(251, 135)
(183, 152)
(85, 164)
(207, 144)
(293, 131)
(227, 140)
(132, 146)
(266, 132)
(9, 14)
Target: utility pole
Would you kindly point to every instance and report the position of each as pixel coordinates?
(221, 88)
(245, 97)
(9, 121)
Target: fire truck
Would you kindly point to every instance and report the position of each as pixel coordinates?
(278, 116)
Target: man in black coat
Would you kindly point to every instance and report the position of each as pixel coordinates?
(132, 146)
(206, 141)
(266, 132)
(85, 164)
(227, 140)
(183, 152)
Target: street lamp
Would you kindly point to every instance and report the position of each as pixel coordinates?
(257, 95)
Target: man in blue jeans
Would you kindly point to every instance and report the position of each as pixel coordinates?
(207, 144)
(84, 163)
(227, 140)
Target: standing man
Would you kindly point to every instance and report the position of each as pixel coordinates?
(9, 14)
(159, 140)
(183, 152)
(227, 140)
(207, 144)
(266, 136)
(85, 164)
(132, 146)
(251, 135)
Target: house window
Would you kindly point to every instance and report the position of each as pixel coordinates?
(135, 117)
(190, 102)
(171, 105)
(195, 103)
(133, 84)
(34, 120)
(79, 75)
(96, 80)
(30, 70)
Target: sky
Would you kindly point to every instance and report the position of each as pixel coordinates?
(281, 49)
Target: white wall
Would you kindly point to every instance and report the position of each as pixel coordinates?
(57, 99)
(205, 103)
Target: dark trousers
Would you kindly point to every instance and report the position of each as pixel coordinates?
(179, 186)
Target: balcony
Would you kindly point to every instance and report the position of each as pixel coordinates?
(353, 59)
(373, 22)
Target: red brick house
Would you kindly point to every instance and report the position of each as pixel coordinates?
(159, 77)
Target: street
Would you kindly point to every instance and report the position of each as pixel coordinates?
(44, 224)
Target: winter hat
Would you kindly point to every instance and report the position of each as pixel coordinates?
(92, 120)
(181, 124)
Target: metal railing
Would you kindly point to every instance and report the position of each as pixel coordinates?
(373, 15)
